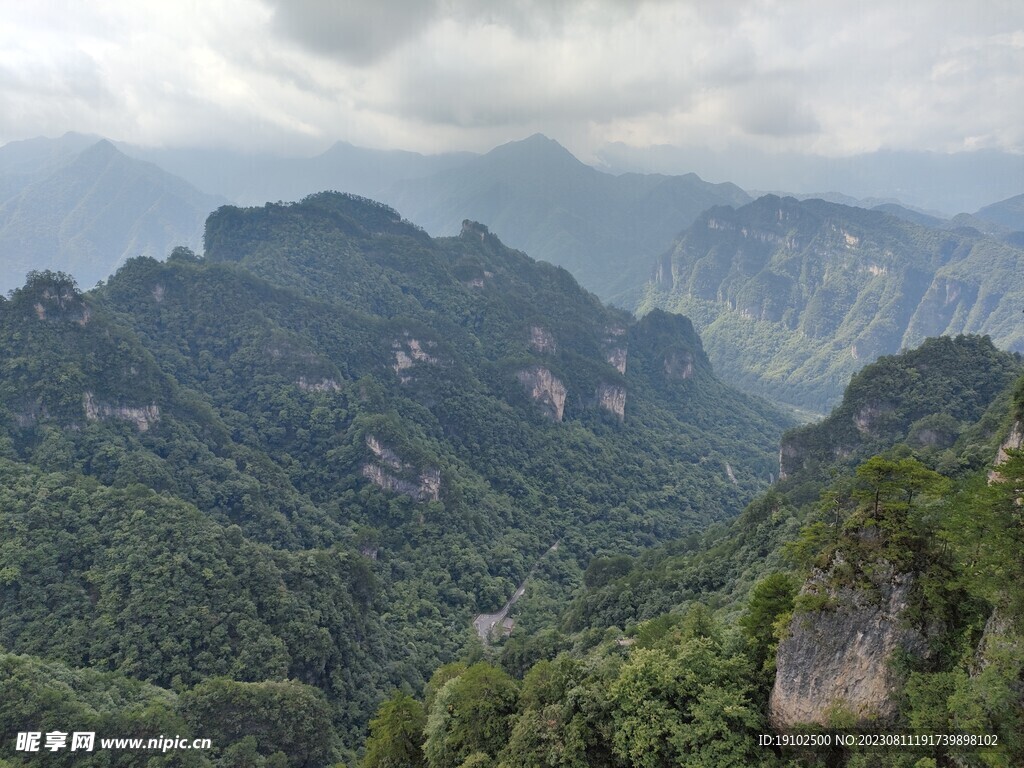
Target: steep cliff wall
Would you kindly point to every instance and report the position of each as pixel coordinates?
(1013, 442)
(143, 417)
(837, 658)
(612, 398)
(545, 389)
(390, 473)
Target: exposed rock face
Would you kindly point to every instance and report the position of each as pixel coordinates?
(997, 638)
(143, 417)
(679, 365)
(474, 230)
(408, 352)
(317, 385)
(730, 474)
(866, 416)
(29, 415)
(422, 486)
(62, 303)
(542, 341)
(617, 359)
(382, 452)
(786, 454)
(427, 487)
(1013, 442)
(837, 658)
(544, 388)
(615, 349)
(612, 397)
(663, 276)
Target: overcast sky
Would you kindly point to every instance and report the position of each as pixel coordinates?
(825, 77)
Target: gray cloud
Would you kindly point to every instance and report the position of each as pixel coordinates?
(354, 31)
(773, 110)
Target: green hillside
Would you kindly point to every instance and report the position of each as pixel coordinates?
(878, 597)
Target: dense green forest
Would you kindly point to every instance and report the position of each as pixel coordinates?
(258, 496)
(684, 655)
(283, 477)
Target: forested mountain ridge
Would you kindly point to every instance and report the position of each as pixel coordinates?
(317, 452)
(925, 397)
(822, 288)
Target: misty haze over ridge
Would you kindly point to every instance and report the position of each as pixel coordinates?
(942, 184)
(433, 190)
(528, 191)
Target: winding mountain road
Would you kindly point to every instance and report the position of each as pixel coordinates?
(485, 623)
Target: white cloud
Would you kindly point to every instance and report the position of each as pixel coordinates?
(804, 76)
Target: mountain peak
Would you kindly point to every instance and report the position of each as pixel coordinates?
(103, 148)
(537, 147)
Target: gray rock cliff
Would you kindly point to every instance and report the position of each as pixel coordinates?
(837, 658)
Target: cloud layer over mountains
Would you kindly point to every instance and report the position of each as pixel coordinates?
(468, 74)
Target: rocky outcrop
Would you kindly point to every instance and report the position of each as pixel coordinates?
(545, 389)
(392, 474)
(836, 658)
(615, 348)
(475, 230)
(730, 474)
(143, 417)
(788, 464)
(997, 638)
(865, 418)
(1013, 442)
(612, 398)
(542, 341)
(62, 303)
(616, 357)
(426, 487)
(317, 385)
(679, 365)
(409, 351)
(29, 415)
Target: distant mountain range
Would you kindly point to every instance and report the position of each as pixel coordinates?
(537, 197)
(83, 205)
(250, 179)
(946, 183)
(533, 193)
(1008, 214)
(79, 205)
(792, 297)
